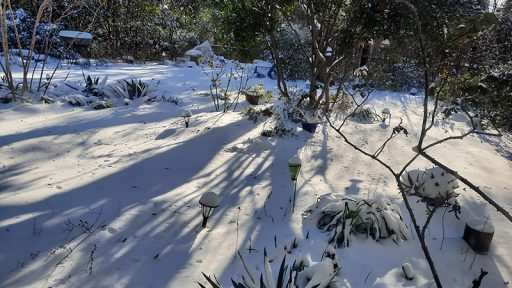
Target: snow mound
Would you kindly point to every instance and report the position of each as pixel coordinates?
(343, 216)
(433, 183)
(252, 146)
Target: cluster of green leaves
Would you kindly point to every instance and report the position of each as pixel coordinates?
(377, 218)
(288, 275)
(91, 85)
(136, 88)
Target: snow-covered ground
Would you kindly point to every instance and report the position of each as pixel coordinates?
(109, 198)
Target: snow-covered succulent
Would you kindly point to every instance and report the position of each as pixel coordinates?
(434, 186)
(303, 273)
(343, 216)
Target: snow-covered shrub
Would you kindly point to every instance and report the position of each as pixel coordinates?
(406, 74)
(78, 100)
(258, 113)
(298, 108)
(91, 85)
(24, 23)
(434, 186)
(278, 130)
(259, 90)
(366, 114)
(342, 216)
(102, 104)
(136, 88)
(303, 272)
(128, 90)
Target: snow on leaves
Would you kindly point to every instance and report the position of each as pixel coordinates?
(434, 186)
(342, 216)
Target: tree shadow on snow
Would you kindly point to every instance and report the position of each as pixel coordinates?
(150, 211)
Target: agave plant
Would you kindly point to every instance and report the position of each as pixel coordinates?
(93, 84)
(136, 88)
(344, 216)
(128, 89)
(302, 273)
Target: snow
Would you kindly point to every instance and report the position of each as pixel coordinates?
(193, 53)
(481, 225)
(205, 48)
(186, 113)
(295, 161)
(408, 271)
(134, 175)
(75, 34)
(209, 199)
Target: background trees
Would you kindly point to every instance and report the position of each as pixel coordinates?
(321, 41)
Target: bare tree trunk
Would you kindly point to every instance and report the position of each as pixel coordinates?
(5, 48)
(281, 81)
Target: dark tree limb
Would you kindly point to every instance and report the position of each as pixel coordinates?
(475, 188)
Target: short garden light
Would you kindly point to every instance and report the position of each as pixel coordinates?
(386, 114)
(209, 201)
(294, 165)
(186, 114)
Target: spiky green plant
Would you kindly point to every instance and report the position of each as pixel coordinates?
(136, 88)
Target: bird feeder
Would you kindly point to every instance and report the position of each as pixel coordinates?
(209, 201)
(386, 114)
(186, 114)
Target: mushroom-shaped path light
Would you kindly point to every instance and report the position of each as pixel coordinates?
(386, 114)
(186, 114)
(209, 201)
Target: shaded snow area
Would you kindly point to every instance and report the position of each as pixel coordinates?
(110, 198)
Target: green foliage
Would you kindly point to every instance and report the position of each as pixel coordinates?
(292, 50)
(244, 23)
(256, 114)
(435, 187)
(367, 114)
(92, 85)
(343, 216)
(297, 274)
(136, 88)
(402, 75)
(102, 104)
(277, 130)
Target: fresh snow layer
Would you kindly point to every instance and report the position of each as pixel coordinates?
(75, 34)
(119, 188)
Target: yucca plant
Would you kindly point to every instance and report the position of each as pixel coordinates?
(302, 273)
(136, 88)
(92, 85)
(341, 217)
